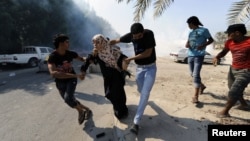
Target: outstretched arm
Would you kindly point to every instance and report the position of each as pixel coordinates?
(220, 55)
(90, 59)
(80, 59)
(115, 41)
(144, 54)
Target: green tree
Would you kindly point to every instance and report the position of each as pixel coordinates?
(142, 5)
(220, 38)
(32, 22)
(239, 12)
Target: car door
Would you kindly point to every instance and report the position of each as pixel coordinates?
(208, 58)
(45, 51)
(183, 55)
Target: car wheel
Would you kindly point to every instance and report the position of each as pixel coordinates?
(33, 62)
(186, 60)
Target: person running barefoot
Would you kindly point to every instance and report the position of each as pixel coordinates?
(239, 73)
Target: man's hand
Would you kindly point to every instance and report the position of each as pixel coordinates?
(113, 42)
(95, 52)
(125, 64)
(81, 76)
(215, 61)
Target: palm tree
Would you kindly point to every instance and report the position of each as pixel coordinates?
(239, 12)
(142, 5)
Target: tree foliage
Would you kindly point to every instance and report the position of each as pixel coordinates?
(33, 22)
(142, 5)
(239, 12)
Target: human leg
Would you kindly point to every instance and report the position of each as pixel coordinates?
(225, 111)
(202, 88)
(237, 88)
(118, 100)
(231, 79)
(145, 80)
(146, 83)
(243, 104)
(70, 97)
(197, 65)
(67, 91)
(195, 98)
(191, 65)
(114, 90)
(139, 78)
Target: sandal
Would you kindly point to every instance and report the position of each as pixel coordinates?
(81, 117)
(87, 114)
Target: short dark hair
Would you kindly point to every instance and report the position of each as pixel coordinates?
(194, 20)
(58, 38)
(136, 28)
(236, 27)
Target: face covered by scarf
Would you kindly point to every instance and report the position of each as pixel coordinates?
(107, 53)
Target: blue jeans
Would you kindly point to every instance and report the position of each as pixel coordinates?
(195, 65)
(145, 78)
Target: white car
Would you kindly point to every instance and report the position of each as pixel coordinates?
(29, 56)
(182, 56)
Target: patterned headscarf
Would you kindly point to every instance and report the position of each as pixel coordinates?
(107, 53)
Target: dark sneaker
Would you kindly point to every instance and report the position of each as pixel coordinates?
(135, 129)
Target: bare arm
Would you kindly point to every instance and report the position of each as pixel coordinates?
(220, 55)
(56, 74)
(80, 59)
(209, 41)
(187, 44)
(142, 55)
(115, 41)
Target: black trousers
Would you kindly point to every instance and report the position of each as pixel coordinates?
(114, 90)
(67, 90)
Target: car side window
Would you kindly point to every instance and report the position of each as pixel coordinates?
(43, 50)
(50, 50)
(29, 50)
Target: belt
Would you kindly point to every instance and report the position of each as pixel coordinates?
(148, 65)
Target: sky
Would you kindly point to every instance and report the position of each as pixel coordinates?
(170, 29)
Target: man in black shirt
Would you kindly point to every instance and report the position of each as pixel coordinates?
(60, 67)
(145, 58)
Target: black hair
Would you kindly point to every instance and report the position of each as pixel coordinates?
(136, 28)
(237, 27)
(58, 38)
(194, 20)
